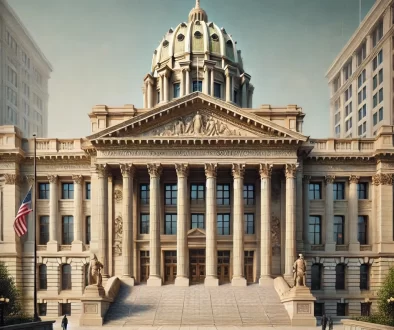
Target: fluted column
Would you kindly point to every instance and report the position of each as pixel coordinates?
(228, 88)
(306, 180)
(77, 245)
(187, 82)
(354, 244)
(150, 95)
(330, 243)
(290, 252)
(161, 88)
(53, 244)
(127, 215)
(182, 171)
(206, 80)
(182, 86)
(102, 216)
(211, 278)
(212, 82)
(238, 171)
(165, 88)
(155, 171)
(265, 223)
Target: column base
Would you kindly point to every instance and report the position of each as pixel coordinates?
(52, 246)
(77, 246)
(181, 281)
(354, 247)
(238, 281)
(128, 280)
(264, 279)
(154, 281)
(211, 281)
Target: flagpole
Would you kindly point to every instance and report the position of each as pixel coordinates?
(36, 317)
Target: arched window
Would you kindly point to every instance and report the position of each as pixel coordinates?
(340, 277)
(230, 49)
(66, 277)
(165, 43)
(316, 276)
(364, 277)
(215, 37)
(42, 275)
(180, 37)
(198, 34)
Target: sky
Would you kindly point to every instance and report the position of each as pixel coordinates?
(102, 49)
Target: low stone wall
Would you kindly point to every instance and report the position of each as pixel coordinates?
(357, 325)
(45, 325)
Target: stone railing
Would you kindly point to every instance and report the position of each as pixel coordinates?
(56, 147)
(358, 325)
(45, 325)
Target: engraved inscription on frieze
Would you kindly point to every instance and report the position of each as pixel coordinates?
(90, 308)
(199, 124)
(303, 308)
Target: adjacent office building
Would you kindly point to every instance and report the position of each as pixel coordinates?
(24, 75)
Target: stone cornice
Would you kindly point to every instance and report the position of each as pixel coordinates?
(355, 40)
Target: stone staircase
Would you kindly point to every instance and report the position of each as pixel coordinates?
(197, 305)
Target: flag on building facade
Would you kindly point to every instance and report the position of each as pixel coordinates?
(20, 225)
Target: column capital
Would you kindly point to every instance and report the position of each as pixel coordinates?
(265, 171)
(182, 170)
(127, 170)
(354, 179)
(52, 178)
(329, 179)
(382, 179)
(238, 171)
(154, 170)
(102, 170)
(14, 179)
(77, 178)
(211, 170)
(30, 179)
(290, 171)
(307, 178)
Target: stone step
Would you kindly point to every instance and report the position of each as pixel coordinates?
(197, 305)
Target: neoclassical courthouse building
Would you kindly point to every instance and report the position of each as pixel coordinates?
(198, 186)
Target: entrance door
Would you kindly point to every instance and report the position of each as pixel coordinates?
(197, 266)
(144, 266)
(170, 267)
(224, 267)
(248, 271)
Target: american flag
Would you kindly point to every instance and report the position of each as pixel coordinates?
(20, 225)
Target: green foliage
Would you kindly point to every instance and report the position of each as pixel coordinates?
(385, 314)
(13, 312)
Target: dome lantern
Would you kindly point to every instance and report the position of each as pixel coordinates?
(198, 14)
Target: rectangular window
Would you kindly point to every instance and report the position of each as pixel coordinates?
(342, 309)
(375, 82)
(340, 274)
(235, 99)
(44, 229)
(66, 309)
(223, 223)
(314, 231)
(380, 95)
(42, 309)
(67, 190)
(197, 221)
(249, 198)
(316, 274)
(177, 90)
(87, 190)
(348, 124)
(375, 118)
(347, 70)
(319, 309)
(144, 194)
(377, 34)
(223, 194)
(339, 190)
(362, 112)
(361, 78)
(12, 77)
(197, 86)
(170, 191)
(43, 191)
(375, 100)
(363, 229)
(67, 229)
(337, 117)
(314, 190)
(348, 109)
(337, 83)
(249, 223)
(170, 226)
(366, 309)
(338, 130)
(144, 223)
(339, 230)
(362, 190)
(87, 230)
(362, 129)
(197, 194)
(217, 90)
(361, 53)
(380, 76)
(380, 114)
(348, 93)
(158, 96)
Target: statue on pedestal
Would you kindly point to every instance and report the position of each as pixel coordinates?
(95, 277)
(299, 271)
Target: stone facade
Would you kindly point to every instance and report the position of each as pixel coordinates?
(200, 190)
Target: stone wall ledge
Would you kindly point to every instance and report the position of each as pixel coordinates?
(44, 325)
(358, 325)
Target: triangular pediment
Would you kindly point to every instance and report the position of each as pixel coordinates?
(197, 116)
(196, 232)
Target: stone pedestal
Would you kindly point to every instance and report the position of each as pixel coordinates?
(181, 281)
(94, 306)
(154, 281)
(77, 246)
(240, 281)
(52, 246)
(211, 281)
(299, 303)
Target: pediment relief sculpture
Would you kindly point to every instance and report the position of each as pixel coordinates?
(196, 232)
(199, 124)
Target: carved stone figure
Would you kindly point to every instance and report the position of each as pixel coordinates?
(299, 271)
(197, 123)
(95, 277)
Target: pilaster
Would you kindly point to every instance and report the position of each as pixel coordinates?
(53, 245)
(305, 201)
(77, 245)
(354, 244)
(290, 244)
(330, 244)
